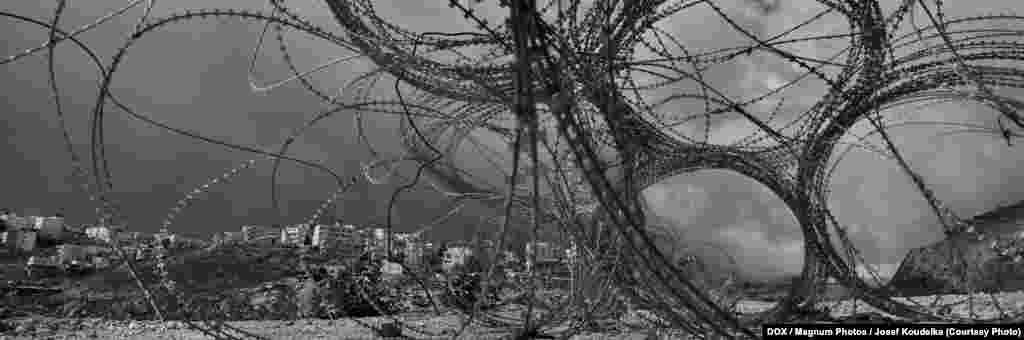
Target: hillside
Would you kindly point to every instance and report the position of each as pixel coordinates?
(207, 270)
(204, 276)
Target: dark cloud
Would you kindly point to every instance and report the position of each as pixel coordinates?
(194, 76)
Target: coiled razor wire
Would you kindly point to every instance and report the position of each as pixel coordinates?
(560, 83)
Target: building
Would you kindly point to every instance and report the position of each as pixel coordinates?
(189, 241)
(23, 240)
(9, 239)
(93, 250)
(543, 252)
(508, 259)
(106, 233)
(144, 253)
(228, 237)
(380, 238)
(344, 239)
(74, 229)
(296, 235)
(375, 241)
(263, 235)
(137, 237)
(456, 256)
(572, 254)
(391, 270)
(43, 266)
(179, 241)
(50, 227)
(415, 252)
(380, 234)
(71, 253)
(16, 222)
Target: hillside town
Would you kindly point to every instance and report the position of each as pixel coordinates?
(54, 247)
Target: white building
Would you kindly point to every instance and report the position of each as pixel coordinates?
(50, 227)
(42, 266)
(414, 252)
(105, 233)
(295, 234)
(19, 222)
(267, 235)
(41, 261)
(456, 256)
(380, 234)
(543, 253)
(391, 269)
(228, 237)
(19, 239)
(71, 253)
(345, 239)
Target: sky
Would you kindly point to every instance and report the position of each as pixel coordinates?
(194, 76)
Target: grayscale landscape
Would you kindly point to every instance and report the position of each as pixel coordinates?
(507, 169)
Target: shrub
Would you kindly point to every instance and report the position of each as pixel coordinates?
(463, 286)
(347, 293)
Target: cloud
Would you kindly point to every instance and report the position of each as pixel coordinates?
(761, 255)
(678, 202)
(204, 89)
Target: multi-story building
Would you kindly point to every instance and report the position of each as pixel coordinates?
(228, 237)
(264, 235)
(106, 233)
(375, 241)
(144, 252)
(509, 260)
(36, 260)
(71, 253)
(543, 253)
(180, 241)
(16, 222)
(380, 234)
(391, 270)
(23, 240)
(50, 227)
(414, 251)
(9, 239)
(343, 239)
(136, 237)
(456, 256)
(42, 266)
(296, 235)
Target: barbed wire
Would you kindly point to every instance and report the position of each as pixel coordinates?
(560, 84)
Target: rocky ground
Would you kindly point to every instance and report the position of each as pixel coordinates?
(438, 328)
(422, 326)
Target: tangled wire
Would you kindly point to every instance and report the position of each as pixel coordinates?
(562, 83)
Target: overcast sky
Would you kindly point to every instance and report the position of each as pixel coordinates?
(194, 76)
